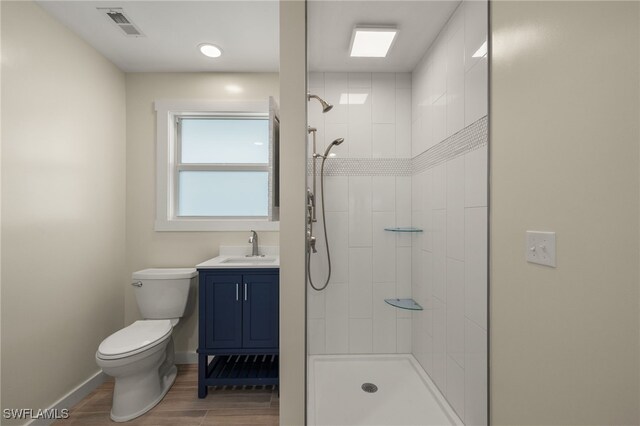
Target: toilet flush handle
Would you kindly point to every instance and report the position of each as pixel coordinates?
(137, 284)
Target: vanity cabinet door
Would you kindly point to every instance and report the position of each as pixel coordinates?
(223, 320)
(260, 312)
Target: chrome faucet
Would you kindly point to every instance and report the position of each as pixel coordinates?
(253, 239)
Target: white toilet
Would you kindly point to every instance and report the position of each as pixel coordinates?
(140, 356)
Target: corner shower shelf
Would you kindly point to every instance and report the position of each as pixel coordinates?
(409, 304)
(403, 229)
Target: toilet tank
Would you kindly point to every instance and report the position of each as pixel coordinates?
(162, 293)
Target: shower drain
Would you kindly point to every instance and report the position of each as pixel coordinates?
(369, 387)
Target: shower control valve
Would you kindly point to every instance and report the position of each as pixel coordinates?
(312, 242)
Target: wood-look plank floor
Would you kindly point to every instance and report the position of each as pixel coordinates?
(181, 406)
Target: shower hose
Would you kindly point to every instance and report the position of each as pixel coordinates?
(326, 240)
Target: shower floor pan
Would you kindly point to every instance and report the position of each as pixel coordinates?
(405, 394)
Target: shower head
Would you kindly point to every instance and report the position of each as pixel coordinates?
(336, 142)
(325, 105)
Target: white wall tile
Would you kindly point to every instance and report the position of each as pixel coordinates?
(475, 375)
(475, 306)
(360, 336)
(335, 84)
(316, 81)
(384, 247)
(439, 122)
(475, 92)
(439, 254)
(316, 336)
(315, 305)
(455, 208)
(455, 387)
(403, 123)
(404, 345)
(384, 98)
(384, 319)
(336, 193)
(403, 192)
(475, 29)
(337, 318)
(455, 82)
(424, 352)
(403, 209)
(383, 194)
(439, 186)
(403, 277)
(338, 233)
(360, 283)
(439, 371)
(425, 290)
(360, 132)
(403, 80)
(475, 178)
(384, 140)
(415, 137)
(437, 72)
(455, 310)
(360, 219)
(359, 80)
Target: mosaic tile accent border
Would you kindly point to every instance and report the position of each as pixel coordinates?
(363, 167)
(472, 137)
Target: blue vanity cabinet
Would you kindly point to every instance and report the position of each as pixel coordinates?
(223, 311)
(238, 327)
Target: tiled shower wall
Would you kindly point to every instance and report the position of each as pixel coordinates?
(367, 188)
(449, 201)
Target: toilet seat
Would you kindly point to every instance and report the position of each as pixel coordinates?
(136, 338)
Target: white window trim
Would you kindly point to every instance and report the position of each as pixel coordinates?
(166, 220)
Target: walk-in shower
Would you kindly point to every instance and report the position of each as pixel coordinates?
(399, 335)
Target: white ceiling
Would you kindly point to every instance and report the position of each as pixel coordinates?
(247, 32)
(330, 25)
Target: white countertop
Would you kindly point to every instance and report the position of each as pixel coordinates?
(270, 258)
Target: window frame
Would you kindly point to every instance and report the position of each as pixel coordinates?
(168, 143)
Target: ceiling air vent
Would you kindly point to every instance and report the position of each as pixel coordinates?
(116, 16)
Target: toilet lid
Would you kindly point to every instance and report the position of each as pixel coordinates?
(135, 338)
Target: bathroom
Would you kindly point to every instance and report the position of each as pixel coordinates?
(454, 154)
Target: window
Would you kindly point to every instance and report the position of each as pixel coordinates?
(215, 166)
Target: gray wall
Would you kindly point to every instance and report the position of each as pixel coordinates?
(63, 206)
(564, 157)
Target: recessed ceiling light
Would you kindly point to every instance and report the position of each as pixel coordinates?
(258, 143)
(372, 42)
(482, 50)
(210, 50)
(233, 88)
(353, 98)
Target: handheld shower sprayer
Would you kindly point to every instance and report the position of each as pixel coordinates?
(331, 145)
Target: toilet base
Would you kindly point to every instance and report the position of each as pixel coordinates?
(168, 381)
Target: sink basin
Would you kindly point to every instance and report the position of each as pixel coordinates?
(250, 260)
(237, 259)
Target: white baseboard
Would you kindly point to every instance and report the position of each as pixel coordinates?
(72, 398)
(186, 358)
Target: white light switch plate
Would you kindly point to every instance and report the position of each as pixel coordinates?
(541, 248)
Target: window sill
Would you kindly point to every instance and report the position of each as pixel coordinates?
(215, 225)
